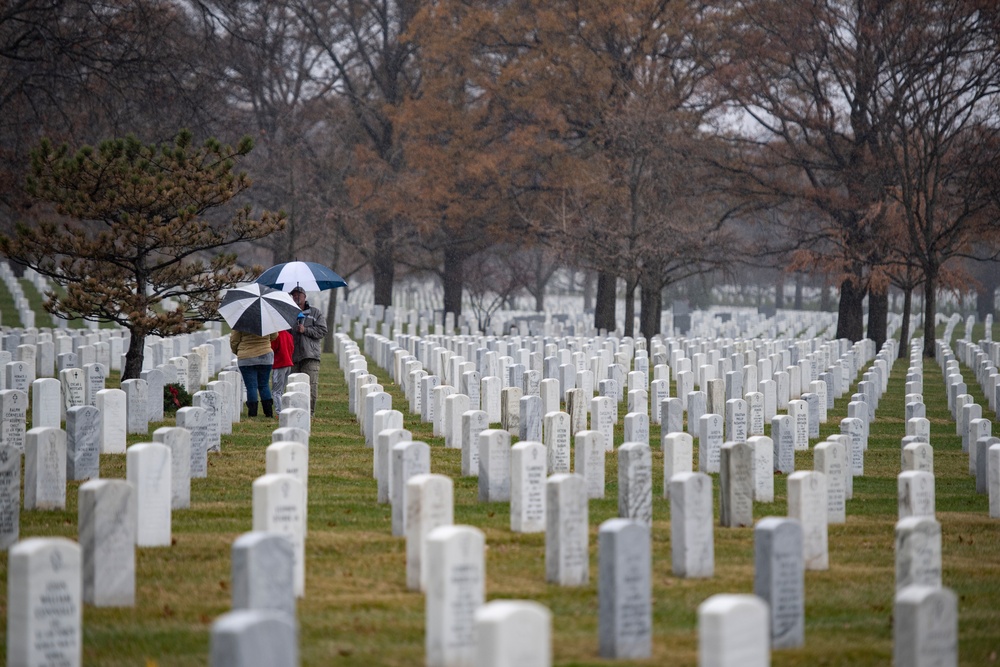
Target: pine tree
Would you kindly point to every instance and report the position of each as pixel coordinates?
(123, 226)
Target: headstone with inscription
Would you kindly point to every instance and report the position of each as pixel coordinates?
(589, 461)
(279, 507)
(783, 435)
(736, 467)
(211, 403)
(556, 438)
(137, 405)
(603, 417)
(635, 482)
(45, 603)
(527, 489)
(830, 459)
(10, 496)
(14, 415)
(83, 445)
(193, 419)
(709, 442)
(474, 422)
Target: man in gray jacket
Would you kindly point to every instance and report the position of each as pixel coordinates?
(308, 334)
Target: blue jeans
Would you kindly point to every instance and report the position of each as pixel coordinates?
(257, 379)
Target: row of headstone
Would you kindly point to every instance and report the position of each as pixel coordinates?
(832, 462)
(431, 397)
(51, 578)
(268, 563)
(978, 441)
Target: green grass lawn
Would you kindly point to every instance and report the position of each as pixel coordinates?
(357, 610)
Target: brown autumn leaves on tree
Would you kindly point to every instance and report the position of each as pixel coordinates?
(124, 226)
(567, 124)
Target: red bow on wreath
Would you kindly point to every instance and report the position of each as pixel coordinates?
(173, 395)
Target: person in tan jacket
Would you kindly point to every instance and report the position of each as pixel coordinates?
(254, 358)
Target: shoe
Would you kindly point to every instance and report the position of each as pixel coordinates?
(268, 406)
(251, 408)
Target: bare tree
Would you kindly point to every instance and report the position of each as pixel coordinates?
(83, 70)
(944, 77)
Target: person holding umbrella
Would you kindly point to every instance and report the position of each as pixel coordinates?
(308, 333)
(254, 358)
(257, 313)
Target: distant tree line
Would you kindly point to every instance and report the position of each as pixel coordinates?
(641, 142)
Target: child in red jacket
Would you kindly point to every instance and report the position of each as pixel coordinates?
(282, 346)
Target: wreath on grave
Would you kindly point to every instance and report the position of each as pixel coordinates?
(175, 396)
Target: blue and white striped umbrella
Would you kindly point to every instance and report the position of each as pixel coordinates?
(310, 276)
(258, 309)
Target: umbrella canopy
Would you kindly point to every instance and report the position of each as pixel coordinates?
(258, 309)
(310, 276)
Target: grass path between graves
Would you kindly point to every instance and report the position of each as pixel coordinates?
(35, 299)
(8, 309)
(357, 610)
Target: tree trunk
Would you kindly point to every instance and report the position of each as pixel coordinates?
(779, 292)
(630, 286)
(904, 333)
(824, 297)
(383, 265)
(454, 280)
(604, 308)
(588, 290)
(331, 322)
(134, 357)
(798, 291)
(331, 311)
(651, 304)
(878, 317)
(850, 314)
(930, 317)
(986, 295)
(540, 283)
